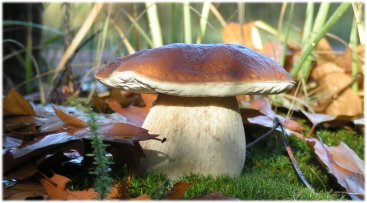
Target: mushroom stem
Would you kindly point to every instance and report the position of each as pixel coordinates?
(205, 136)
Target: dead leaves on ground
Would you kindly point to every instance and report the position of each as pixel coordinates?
(343, 164)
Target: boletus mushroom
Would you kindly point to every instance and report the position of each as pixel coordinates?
(196, 108)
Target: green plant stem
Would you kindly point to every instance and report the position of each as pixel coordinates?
(285, 41)
(187, 23)
(241, 19)
(203, 21)
(175, 19)
(28, 60)
(103, 180)
(339, 12)
(354, 45)
(308, 22)
(154, 25)
(136, 25)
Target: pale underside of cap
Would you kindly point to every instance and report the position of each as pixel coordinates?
(131, 81)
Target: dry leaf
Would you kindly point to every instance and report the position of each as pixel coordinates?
(324, 51)
(56, 189)
(333, 94)
(70, 121)
(25, 191)
(135, 115)
(40, 147)
(143, 197)
(15, 105)
(177, 192)
(259, 112)
(231, 34)
(343, 164)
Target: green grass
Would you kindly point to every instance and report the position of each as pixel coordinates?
(267, 175)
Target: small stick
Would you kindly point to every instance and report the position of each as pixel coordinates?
(292, 158)
(276, 124)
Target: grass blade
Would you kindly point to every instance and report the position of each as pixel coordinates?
(187, 22)
(154, 25)
(138, 27)
(32, 25)
(308, 23)
(217, 14)
(285, 41)
(358, 14)
(354, 44)
(203, 21)
(77, 40)
(124, 39)
(339, 12)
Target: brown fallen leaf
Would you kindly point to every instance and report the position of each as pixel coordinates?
(41, 146)
(69, 121)
(56, 189)
(333, 94)
(25, 191)
(324, 51)
(343, 164)
(177, 192)
(318, 118)
(142, 197)
(15, 105)
(231, 34)
(259, 112)
(135, 115)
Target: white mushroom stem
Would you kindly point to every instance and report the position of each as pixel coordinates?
(205, 136)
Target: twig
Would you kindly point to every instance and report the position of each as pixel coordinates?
(276, 124)
(292, 158)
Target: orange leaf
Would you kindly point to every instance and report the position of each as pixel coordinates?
(69, 120)
(16, 105)
(142, 197)
(56, 189)
(177, 192)
(135, 115)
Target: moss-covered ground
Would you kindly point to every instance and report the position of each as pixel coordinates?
(268, 173)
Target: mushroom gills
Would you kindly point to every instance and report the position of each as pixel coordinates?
(205, 136)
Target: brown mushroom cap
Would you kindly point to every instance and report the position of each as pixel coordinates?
(197, 70)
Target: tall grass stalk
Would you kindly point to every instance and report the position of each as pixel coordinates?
(241, 19)
(187, 23)
(266, 27)
(358, 14)
(318, 24)
(285, 41)
(308, 22)
(154, 25)
(354, 45)
(100, 49)
(217, 14)
(36, 67)
(138, 27)
(281, 19)
(32, 25)
(129, 47)
(334, 18)
(28, 60)
(77, 40)
(175, 22)
(203, 21)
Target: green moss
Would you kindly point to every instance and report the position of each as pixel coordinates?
(268, 173)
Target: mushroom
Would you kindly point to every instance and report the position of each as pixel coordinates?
(196, 108)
